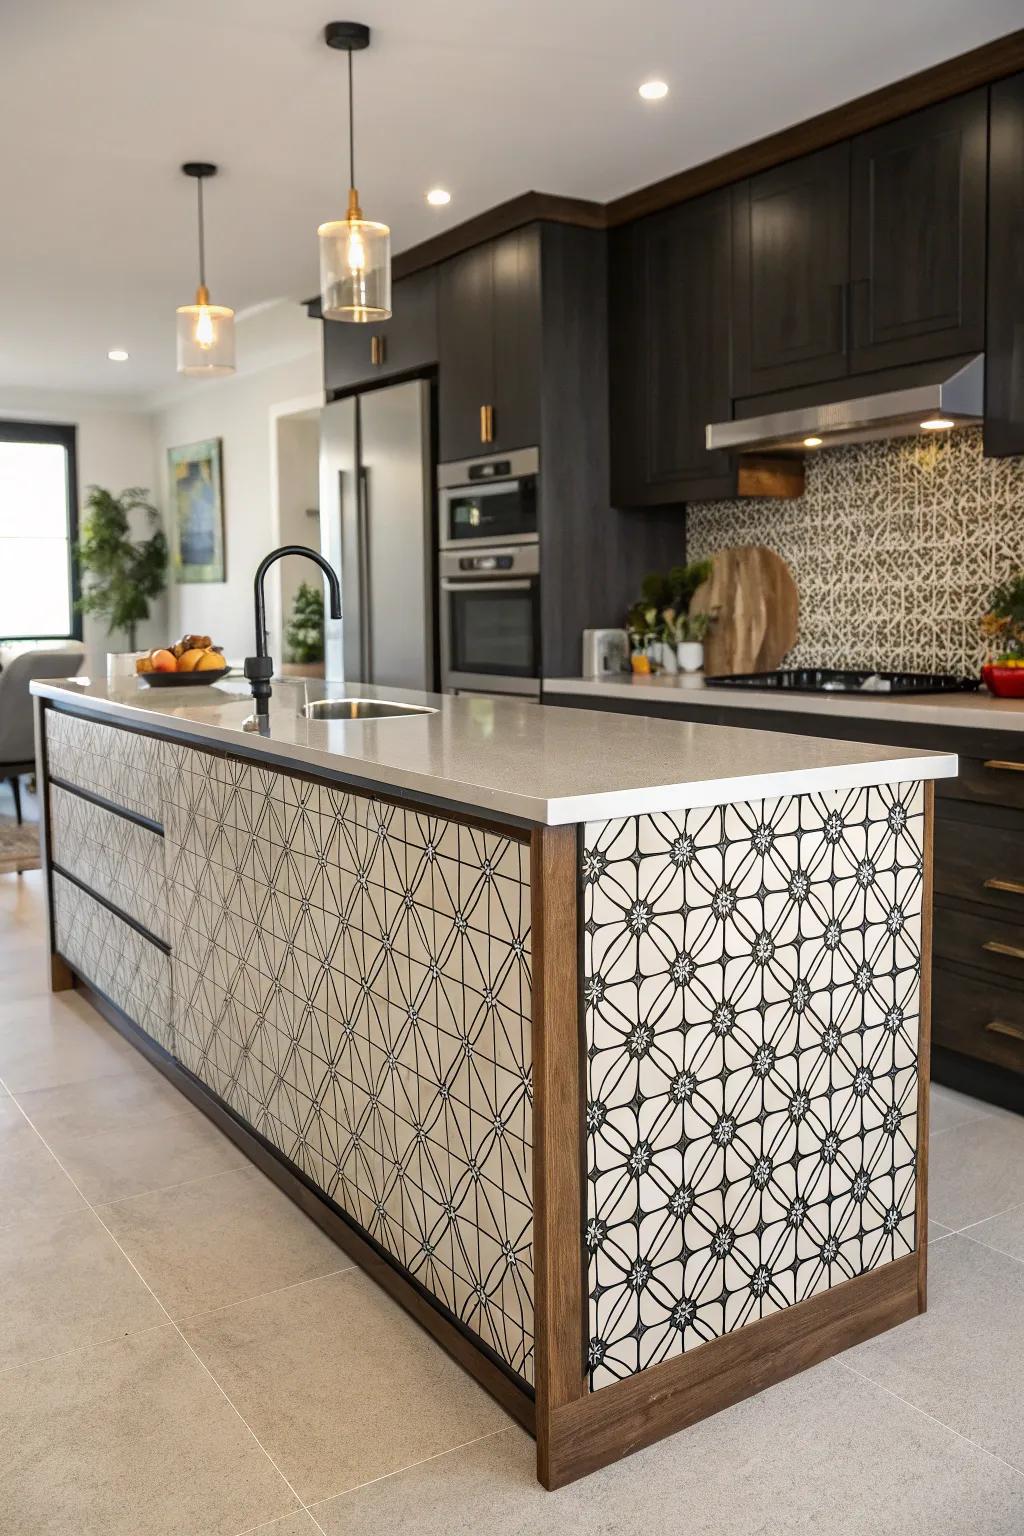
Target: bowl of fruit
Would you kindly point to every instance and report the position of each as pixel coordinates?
(192, 661)
(1003, 629)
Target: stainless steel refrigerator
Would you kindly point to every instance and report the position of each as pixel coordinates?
(376, 529)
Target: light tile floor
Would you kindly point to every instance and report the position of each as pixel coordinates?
(182, 1353)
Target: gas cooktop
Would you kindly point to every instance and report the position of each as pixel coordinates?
(827, 680)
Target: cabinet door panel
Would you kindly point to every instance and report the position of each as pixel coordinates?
(918, 236)
(358, 355)
(515, 394)
(669, 292)
(1004, 346)
(792, 264)
(465, 350)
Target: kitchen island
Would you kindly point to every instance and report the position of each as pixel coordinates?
(600, 1041)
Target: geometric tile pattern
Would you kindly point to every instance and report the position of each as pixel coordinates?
(119, 859)
(130, 970)
(894, 547)
(122, 766)
(353, 979)
(751, 1000)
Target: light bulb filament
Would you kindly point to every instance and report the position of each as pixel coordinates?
(355, 254)
(204, 331)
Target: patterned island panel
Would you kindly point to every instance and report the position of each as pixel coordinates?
(353, 979)
(751, 1001)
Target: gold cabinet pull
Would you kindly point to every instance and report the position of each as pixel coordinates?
(1000, 1027)
(994, 947)
(1007, 767)
(1014, 887)
(487, 423)
(376, 350)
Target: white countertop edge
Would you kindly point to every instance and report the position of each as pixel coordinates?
(561, 811)
(771, 786)
(969, 711)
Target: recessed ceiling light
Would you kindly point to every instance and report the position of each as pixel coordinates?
(938, 424)
(118, 355)
(812, 442)
(653, 90)
(437, 197)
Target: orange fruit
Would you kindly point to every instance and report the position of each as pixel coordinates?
(188, 661)
(164, 661)
(210, 661)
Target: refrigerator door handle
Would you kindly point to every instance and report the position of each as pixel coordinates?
(363, 526)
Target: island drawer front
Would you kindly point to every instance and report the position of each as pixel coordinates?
(126, 967)
(990, 780)
(977, 860)
(980, 1018)
(122, 767)
(117, 858)
(989, 943)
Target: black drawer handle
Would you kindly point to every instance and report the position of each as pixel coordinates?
(994, 947)
(998, 1027)
(1007, 767)
(1014, 887)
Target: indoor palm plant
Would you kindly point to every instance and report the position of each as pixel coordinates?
(120, 576)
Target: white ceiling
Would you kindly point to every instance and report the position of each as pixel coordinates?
(101, 101)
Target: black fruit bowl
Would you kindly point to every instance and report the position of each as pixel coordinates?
(182, 679)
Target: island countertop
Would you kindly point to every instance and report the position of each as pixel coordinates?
(540, 764)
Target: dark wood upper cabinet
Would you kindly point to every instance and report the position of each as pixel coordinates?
(358, 356)
(1004, 347)
(790, 272)
(489, 317)
(917, 253)
(669, 349)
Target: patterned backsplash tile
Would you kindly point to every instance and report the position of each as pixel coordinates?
(894, 546)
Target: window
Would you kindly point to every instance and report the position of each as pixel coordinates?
(38, 526)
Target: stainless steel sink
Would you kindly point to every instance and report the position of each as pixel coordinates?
(362, 709)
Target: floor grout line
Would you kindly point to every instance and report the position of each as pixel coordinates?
(424, 1461)
(192, 1351)
(163, 1189)
(991, 1248)
(1016, 1206)
(975, 1445)
(293, 1285)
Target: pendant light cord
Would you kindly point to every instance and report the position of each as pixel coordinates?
(351, 128)
(202, 234)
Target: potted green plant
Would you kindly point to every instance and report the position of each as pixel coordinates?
(304, 632)
(1003, 628)
(120, 576)
(662, 631)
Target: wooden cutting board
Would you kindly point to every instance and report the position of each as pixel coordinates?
(758, 607)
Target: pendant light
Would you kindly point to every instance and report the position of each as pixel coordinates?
(355, 253)
(206, 332)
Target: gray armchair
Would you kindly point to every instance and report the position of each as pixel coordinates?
(17, 740)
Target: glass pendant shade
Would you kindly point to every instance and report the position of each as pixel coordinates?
(206, 338)
(355, 268)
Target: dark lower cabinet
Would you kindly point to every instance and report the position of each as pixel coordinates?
(1004, 346)
(792, 228)
(669, 349)
(358, 356)
(489, 319)
(917, 225)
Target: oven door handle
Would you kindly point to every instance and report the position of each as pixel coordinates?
(487, 586)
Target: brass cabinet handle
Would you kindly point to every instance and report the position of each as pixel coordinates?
(376, 350)
(487, 423)
(999, 1027)
(1014, 887)
(998, 762)
(995, 948)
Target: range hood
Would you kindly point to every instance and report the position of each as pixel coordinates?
(950, 393)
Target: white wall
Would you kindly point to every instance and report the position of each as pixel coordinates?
(243, 412)
(116, 449)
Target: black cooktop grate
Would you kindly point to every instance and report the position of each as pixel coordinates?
(830, 680)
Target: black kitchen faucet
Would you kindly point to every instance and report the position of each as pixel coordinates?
(259, 669)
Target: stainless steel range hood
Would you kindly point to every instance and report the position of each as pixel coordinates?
(951, 393)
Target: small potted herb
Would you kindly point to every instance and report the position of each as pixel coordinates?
(1003, 628)
(663, 633)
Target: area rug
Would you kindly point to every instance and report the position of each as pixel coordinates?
(19, 846)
